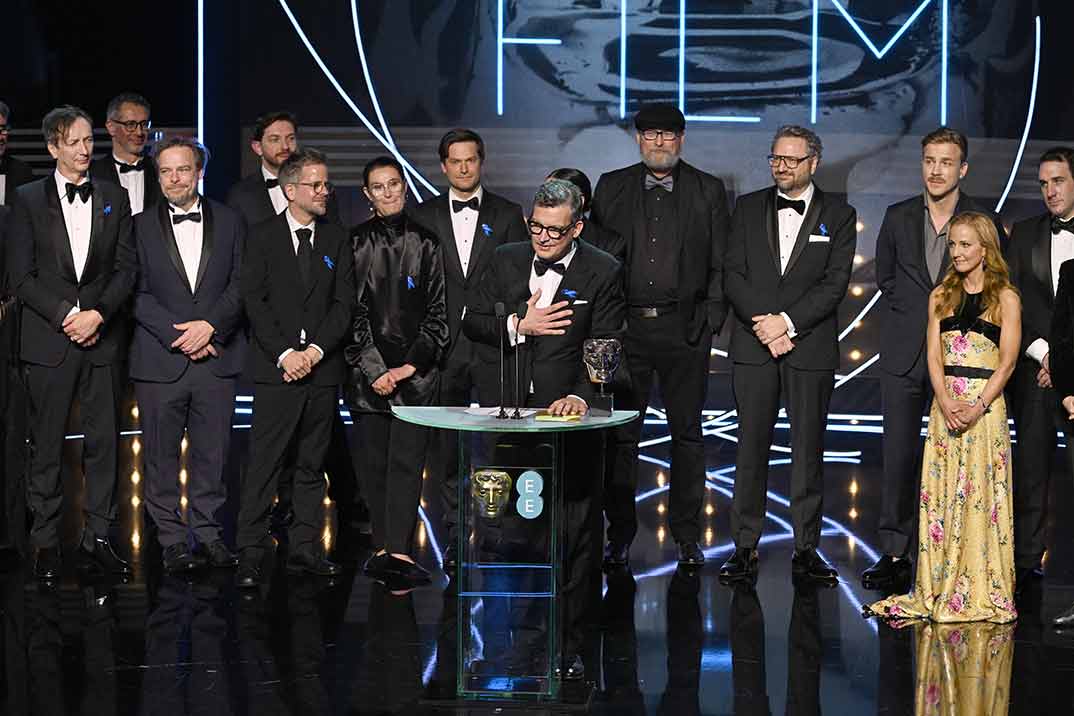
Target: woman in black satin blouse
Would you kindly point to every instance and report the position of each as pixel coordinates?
(400, 334)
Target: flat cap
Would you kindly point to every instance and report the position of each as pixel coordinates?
(659, 116)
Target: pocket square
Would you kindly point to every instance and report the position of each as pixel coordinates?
(815, 239)
(580, 303)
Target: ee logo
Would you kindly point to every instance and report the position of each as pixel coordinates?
(530, 503)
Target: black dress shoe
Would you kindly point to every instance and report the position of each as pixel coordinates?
(887, 572)
(179, 558)
(357, 518)
(617, 554)
(807, 564)
(1025, 575)
(96, 554)
(690, 554)
(218, 554)
(1065, 620)
(742, 564)
(306, 562)
(572, 668)
(248, 575)
(48, 563)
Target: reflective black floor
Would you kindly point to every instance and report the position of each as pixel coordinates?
(667, 642)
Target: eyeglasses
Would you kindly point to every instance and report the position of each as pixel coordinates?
(790, 162)
(554, 232)
(319, 187)
(134, 125)
(378, 189)
(651, 135)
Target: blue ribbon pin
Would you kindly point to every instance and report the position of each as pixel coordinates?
(823, 230)
(107, 209)
(570, 293)
(487, 229)
(328, 262)
(410, 282)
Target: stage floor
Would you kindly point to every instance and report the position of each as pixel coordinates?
(669, 642)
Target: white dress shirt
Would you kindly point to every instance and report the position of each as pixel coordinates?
(463, 226)
(789, 224)
(134, 183)
(188, 237)
(78, 218)
(3, 187)
(275, 194)
(293, 224)
(1062, 250)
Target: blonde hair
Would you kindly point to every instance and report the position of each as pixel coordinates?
(996, 274)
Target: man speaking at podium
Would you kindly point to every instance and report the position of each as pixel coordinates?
(558, 291)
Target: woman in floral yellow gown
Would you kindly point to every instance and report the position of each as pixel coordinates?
(965, 567)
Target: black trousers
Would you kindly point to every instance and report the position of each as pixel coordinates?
(286, 416)
(202, 403)
(806, 394)
(655, 347)
(581, 530)
(394, 455)
(51, 393)
(1037, 416)
(456, 389)
(342, 474)
(905, 399)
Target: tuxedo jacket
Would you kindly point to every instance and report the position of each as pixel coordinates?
(105, 168)
(902, 276)
(1029, 258)
(809, 291)
(593, 286)
(17, 172)
(604, 239)
(499, 222)
(41, 271)
(1061, 330)
(164, 296)
(280, 307)
(250, 197)
(702, 226)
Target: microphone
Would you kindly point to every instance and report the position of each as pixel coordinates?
(517, 415)
(501, 316)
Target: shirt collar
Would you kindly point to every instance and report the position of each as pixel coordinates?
(806, 196)
(267, 174)
(567, 257)
(480, 194)
(292, 222)
(62, 182)
(117, 160)
(176, 210)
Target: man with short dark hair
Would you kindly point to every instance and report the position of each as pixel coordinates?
(471, 222)
(13, 172)
(188, 347)
(674, 219)
(912, 259)
(129, 166)
(73, 266)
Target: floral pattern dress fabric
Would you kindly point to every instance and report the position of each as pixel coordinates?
(965, 560)
(964, 669)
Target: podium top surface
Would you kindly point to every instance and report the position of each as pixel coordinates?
(450, 418)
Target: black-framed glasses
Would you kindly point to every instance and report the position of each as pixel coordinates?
(319, 187)
(774, 160)
(554, 232)
(378, 189)
(134, 125)
(651, 135)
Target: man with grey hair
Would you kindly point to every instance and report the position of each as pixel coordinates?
(787, 266)
(13, 172)
(559, 291)
(129, 165)
(674, 219)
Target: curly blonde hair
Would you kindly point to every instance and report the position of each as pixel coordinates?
(996, 273)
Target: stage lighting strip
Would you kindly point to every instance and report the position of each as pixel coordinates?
(1029, 119)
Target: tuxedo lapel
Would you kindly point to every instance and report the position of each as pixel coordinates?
(61, 242)
(809, 223)
(322, 246)
(263, 198)
(1042, 256)
(444, 228)
(482, 238)
(167, 236)
(206, 242)
(98, 205)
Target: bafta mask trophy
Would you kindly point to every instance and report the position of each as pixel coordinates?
(602, 357)
(491, 489)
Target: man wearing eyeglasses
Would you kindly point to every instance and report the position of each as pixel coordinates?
(298, 290)
(129, 166)
(674, 218)
(13, 172)
(787, 267)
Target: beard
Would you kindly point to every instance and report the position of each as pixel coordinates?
(182, 197)
(659, 160)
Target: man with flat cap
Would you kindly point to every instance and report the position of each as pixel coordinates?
(675, 220)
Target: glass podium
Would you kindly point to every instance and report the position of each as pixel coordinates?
(511, 539)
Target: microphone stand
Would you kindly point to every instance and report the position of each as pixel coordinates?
(517, 414)
(501, 313)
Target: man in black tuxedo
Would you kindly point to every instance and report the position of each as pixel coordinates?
(188, 348)
(13, 172)
(471, 222)
(911, 259)
(128, 124)
(72, 263)
(787, 268)
(570, 291)
(298, 290)
(674, 218)
(1038, 247)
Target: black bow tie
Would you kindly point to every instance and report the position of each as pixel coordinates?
(540, 267)
(192, 216)
(472, 203)
(1060, 225)
(136, 167)
(84, 190)
(272, 183)
(667, 183)
(783, 202)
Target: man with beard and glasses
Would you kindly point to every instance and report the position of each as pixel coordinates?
(128, 124)
(674, 219)
(13, 172)
(188, 349)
